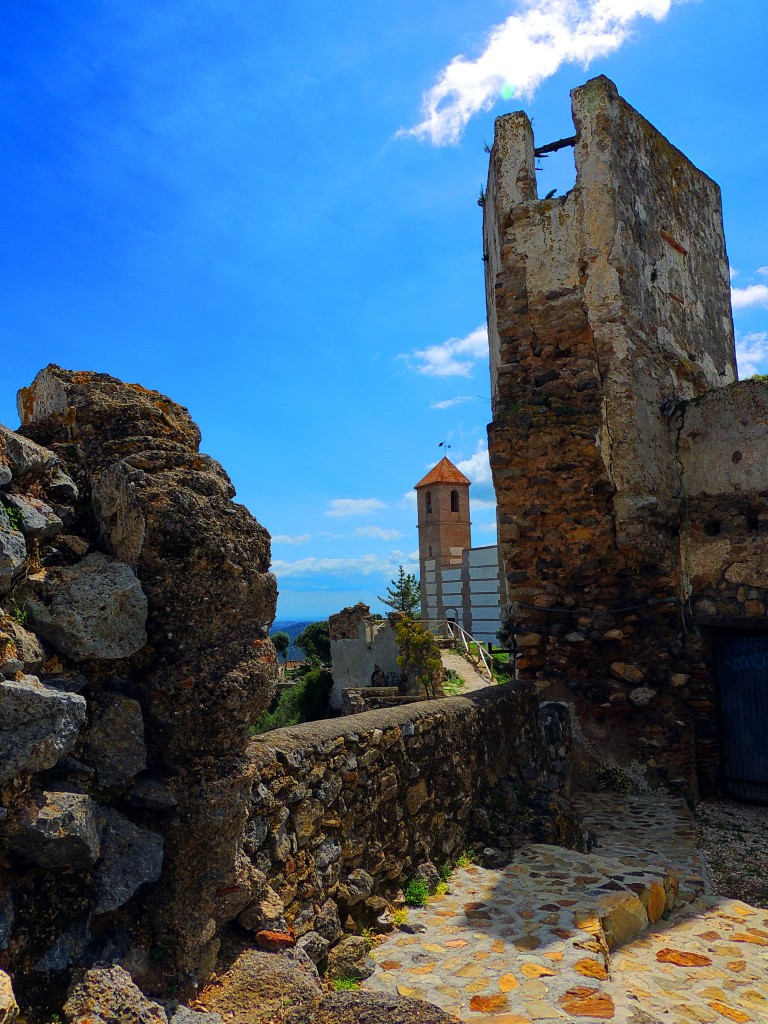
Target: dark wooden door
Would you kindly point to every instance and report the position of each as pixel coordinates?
(741, 660)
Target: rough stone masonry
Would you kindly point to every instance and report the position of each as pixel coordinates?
(135, 599)
(631, 470)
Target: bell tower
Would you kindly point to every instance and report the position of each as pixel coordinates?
(442, 502)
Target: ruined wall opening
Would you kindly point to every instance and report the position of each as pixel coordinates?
(555, 172)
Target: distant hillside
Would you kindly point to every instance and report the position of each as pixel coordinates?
(292, 629)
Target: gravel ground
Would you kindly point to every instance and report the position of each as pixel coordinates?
(734, 838)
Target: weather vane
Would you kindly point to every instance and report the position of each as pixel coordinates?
(444, 444)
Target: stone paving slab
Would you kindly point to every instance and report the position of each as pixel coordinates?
(530, 942)
(654, 829)
(709, 963)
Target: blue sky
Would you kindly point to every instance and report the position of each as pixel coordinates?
(268, 212)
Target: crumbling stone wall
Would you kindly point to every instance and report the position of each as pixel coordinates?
(609, 318)
(134, 654)
(364, 651)
(346, 811)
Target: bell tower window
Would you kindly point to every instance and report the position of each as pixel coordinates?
(429, 503)
(454, 501)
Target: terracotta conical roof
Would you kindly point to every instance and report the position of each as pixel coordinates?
(443, 473)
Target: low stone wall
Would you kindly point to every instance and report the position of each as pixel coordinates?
(347, 810)
(374, 698)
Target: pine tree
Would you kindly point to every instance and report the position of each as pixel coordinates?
(404, 593)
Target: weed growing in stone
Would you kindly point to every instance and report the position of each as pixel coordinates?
(399, 916)
(18, 613)
(466, 858)
(345, 984)
(441, 889)
(416, 893)
(453, 686)
(14, 517)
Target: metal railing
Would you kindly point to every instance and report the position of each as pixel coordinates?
(461, 639)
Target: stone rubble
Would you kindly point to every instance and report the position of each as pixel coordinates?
(95, 609)
(131, 857)
(38, 724)
(106, 995)
(58, 830)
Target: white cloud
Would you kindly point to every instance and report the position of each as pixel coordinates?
(455, 357)
(408, 500)
(523, 52)
(364, 565)
(477, 467)
(377, 531)
(353, 506)
(752, 295)
(733, 272)
(751, 352)
(449, 403)
(285, 538)
(486, 528)
(763, 271)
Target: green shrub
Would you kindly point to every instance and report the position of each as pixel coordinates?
(419, 658)
(305, 701)
(416, 893)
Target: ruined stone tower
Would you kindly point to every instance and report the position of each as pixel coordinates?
(610, 331)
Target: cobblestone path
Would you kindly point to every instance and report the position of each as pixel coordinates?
(627, 933)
